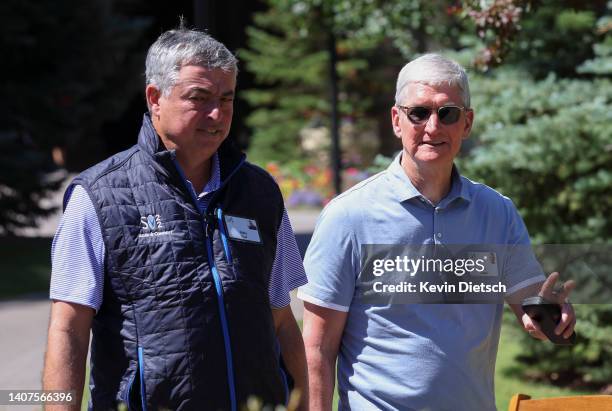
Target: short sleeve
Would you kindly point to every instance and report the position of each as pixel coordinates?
(521, 268)
(330, 263)
(287, 269)
(77, 254)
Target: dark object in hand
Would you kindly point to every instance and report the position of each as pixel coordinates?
(547, 314)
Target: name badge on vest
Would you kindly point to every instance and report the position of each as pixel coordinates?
(242, 229)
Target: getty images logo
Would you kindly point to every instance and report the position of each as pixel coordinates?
(152, 226)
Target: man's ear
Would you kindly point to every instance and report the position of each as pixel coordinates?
(395, 121)
(469, 120)
(153, 95)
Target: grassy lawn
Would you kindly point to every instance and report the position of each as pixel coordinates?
(85, 390)
(25, 266)
(506, 384)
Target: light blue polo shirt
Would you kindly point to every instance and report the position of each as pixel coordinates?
(414, 356)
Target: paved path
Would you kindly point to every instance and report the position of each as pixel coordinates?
(23, 322)
(23, 329)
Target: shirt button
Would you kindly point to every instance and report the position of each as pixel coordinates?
(439, 235)
(437, 210)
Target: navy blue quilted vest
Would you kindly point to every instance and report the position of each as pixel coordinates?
(185, 323)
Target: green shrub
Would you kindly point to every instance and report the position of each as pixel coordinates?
(548, 146)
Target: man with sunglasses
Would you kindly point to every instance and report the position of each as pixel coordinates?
(416, 356)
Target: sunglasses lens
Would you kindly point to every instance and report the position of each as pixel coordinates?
(449, 115)
(419, 114)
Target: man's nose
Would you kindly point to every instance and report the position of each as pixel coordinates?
(214, 112)
(433, 122)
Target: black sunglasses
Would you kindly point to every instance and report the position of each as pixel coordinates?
(419, 115)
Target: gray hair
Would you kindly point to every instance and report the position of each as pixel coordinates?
(181, 47)
(434, 70)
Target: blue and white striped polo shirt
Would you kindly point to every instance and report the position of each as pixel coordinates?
(77, 252)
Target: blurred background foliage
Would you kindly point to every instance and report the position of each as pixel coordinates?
(60, 85)
(540, 74)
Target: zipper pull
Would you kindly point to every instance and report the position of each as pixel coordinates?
(209, 221)
(207, 228)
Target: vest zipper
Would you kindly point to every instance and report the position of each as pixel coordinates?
(224, 240)
(223, 318)
(126, 396)
(218, 286)
(217, 279)
(143, 391)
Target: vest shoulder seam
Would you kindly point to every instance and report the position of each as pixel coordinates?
(115, 167)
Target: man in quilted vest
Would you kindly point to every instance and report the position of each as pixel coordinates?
(178, 255)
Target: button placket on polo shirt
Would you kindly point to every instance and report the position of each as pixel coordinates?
(438, 232)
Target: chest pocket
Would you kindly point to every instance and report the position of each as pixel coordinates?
(248, 249)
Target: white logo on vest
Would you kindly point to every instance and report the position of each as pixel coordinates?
(151, 226)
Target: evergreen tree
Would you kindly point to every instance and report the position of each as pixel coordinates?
(69, 67)
(291, 72)
(601, 64)
(551, 35)
(287, 53)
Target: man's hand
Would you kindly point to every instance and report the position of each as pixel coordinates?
(568, 317)
(67, 346)
(292, 350)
